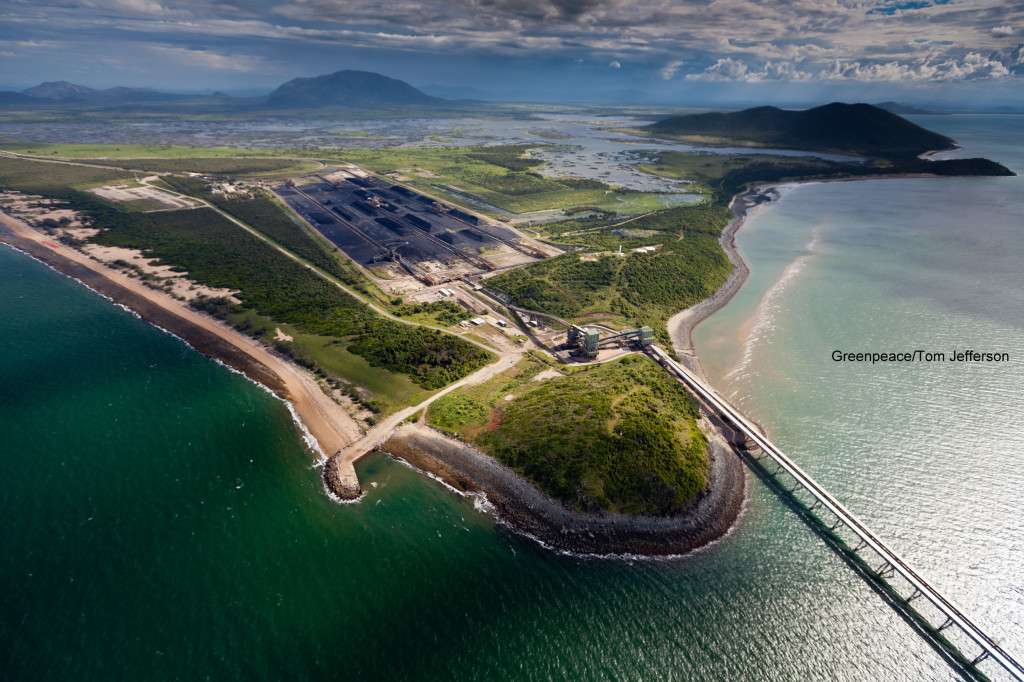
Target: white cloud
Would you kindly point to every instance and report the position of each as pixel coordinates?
(208, 58)
(725, 69)
(668, 72)
(973, 66)
(615, 64)
(1004, 30)
(135, 6)
(729, 69)
(8, 53)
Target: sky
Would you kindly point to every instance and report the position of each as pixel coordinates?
(601, 50)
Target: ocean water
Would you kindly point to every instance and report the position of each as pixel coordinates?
(162, 519)
(930, 455)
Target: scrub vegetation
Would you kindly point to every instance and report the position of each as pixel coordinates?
(39, 177)
(683, 263)
(619, 436)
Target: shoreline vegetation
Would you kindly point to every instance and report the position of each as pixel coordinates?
(681, 267)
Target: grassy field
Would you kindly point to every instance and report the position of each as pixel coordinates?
(500, 176)
(620, 436)
(599, 285)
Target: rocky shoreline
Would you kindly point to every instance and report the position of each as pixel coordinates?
(530, 512)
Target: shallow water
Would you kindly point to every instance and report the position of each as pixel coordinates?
(163, 520)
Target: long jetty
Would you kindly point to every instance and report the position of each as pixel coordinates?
(892, 562)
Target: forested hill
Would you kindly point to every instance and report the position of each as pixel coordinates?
(860, 129)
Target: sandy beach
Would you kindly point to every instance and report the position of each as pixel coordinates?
(682, 324)
(326, 422)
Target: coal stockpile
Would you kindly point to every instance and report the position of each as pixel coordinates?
(473, 235)
(392, 225)
(366, 217)
(332, 228)
(466, 239)
(418, 222)
(350, 242)
(463, 216)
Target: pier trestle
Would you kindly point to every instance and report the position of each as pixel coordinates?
(877, 578)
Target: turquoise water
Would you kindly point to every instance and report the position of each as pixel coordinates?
(162, 519)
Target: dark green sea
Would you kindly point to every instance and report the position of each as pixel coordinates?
(162, 520)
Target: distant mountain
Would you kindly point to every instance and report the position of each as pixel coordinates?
(903, 109)
(59, 90)
(860, 129)
(8, 98)
(348, 88)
